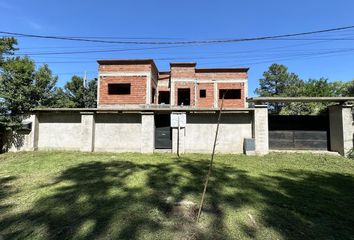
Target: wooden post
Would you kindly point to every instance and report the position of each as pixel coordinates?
(212, 158)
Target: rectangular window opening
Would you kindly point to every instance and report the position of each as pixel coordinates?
(202, 93)
(230, 93)
(119, 88)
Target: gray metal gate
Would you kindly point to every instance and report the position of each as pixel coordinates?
(163, 139)
(298, 132)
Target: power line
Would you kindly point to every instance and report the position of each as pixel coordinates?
(250, 59)
(82, 39)
(145, 48)
(165, 47)
(98, 51)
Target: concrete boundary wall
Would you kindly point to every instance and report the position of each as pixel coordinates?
(118, 132)
(200, 132)
(107, 130)
(59, 131)
(134, 131)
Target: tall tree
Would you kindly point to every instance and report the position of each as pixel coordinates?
(81, 94)
(61, 100)
(22, 87)
(7, 46)
(277, 81)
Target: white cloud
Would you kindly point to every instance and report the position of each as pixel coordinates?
(34, 25)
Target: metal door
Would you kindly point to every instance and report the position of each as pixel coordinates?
(163, 139)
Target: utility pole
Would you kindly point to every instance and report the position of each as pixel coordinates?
(85, 79)
(84, 91)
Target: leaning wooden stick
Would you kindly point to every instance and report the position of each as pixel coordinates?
(212, 158)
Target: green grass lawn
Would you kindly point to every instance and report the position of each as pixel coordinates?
(71, 195)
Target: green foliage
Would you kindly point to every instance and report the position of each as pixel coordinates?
(277, 81)
(22, 87)
(350, 88)
(7, 46)
(81, 96)
(61, 100)
(315, 88)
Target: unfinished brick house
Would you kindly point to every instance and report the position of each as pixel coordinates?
(143, 110)
(138, 82)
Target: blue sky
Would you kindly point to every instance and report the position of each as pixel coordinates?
(187, 20)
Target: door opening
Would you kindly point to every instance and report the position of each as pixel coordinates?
(163, 136)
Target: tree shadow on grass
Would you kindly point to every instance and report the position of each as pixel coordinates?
(125, 200)
(310, 205)
(6, 190)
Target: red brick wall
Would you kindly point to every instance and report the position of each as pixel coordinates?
(124, 68)
(232, 103)
(208, 101)
(182, 72)
(137, 90)
(221, 75)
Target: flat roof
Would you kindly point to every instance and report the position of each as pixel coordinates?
(299, 99)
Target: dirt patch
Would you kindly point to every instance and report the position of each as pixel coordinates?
(184, 214)
(184, 209)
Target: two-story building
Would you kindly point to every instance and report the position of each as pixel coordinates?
(142, 109)
(138, 82)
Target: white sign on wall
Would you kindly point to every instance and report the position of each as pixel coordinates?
(178, 117)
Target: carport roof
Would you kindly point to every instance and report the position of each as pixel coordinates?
(299, 99)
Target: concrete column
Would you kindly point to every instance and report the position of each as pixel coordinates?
(260, 129)
(216, 95)
(147, 132)
(178, 140)
(172, 93)
(341, 128)
(87, 131)
(34, 132)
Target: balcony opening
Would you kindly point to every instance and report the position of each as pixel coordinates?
(164, 97)
(184, 96)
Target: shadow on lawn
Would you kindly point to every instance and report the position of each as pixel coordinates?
(6, 191)
(100, 200)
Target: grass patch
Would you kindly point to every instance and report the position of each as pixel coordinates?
(72, 195)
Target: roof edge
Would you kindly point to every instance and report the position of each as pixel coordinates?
(205, 70)
(183, 64)
(128, 61)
